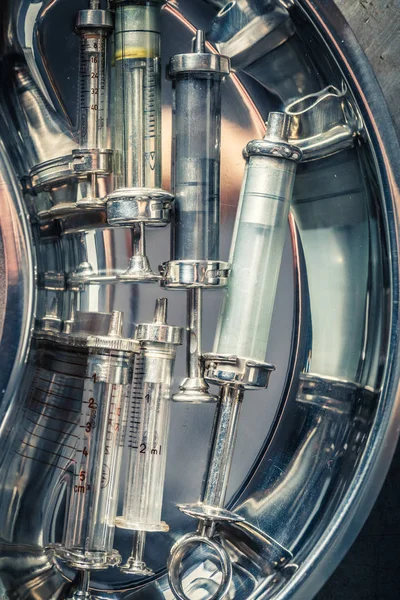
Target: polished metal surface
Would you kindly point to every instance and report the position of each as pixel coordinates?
(186, 274)
(313, 449)
(322, 123)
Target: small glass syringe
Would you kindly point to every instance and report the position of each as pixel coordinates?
(237, 363)
(138, 199)
(195, 265)
(92, 160)
(90, 520)
(148, 425)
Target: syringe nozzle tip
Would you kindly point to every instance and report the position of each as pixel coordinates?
(278, 125)
(160, 313)
(115, 327)
(199, 42)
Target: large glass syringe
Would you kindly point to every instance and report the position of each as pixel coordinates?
(138, 199)
(148, 425)
(237, 363)
(90, 519)
(195, 263)
(92, 160)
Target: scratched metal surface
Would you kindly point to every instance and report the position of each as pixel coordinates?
(376, 24)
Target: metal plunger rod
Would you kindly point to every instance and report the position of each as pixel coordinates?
(138, 545)
(139, 240)
(222, 446)
(83, 593)
(194, 346)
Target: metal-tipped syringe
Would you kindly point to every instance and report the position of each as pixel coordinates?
(138, 198)
(90, 521)
(148, 424)
(195, 263)
(237, 363)
(92, 160)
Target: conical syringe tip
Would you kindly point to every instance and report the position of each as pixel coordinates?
(94, 4)
(115, 327)
(278, 125)
(199, 42)
(160, 313)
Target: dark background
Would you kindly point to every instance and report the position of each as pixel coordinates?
(371, 569)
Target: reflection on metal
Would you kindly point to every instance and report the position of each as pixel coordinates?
(287, 488)
(322, 123)
(248, 31)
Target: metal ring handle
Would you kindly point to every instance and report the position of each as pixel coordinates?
(178, 551)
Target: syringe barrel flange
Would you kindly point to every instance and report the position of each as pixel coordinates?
(92, 162)
(225, 369)
(276, 149)
(275, 142)
(95, 19)
(87, 561)
(186, 274)
(111, 356)
(50, 173)
(199, 62)
(127, 206)
(158, 333)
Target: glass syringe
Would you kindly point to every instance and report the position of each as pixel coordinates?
(92, 160)
(90, 519)
(237, 363)
(138, 198)
(148, 425)
(195, 263)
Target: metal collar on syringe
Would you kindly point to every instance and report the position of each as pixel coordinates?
(225, 369)
(186, 274)
(273, 143)
(199, 61)
(158, 332)
(139, 206)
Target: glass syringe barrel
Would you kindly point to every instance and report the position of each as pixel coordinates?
(257, 245)
(138, 93)
(93, 26)
(148, 426)
(138, 198)
(90, 519)
(197, 80)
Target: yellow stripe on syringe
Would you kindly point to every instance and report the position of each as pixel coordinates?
(133, 52)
